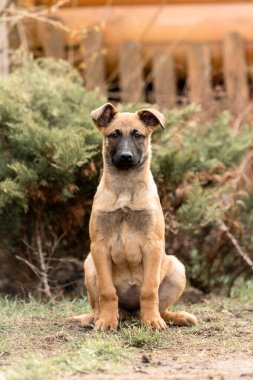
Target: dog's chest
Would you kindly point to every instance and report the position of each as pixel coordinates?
(124, 231)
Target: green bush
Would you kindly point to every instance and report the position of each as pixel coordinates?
(48, 146)
(50, 161)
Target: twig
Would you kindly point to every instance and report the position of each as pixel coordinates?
(242, 115)
(22, 35)
(56, 244)
(44, 275)
(5, 6)
(27, 244)
(30, 265)
(21, 12)
(237, 246)
(17, 15)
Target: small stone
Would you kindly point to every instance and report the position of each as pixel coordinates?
(145, 359)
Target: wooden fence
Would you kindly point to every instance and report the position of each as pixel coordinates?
(4, 65)
(162, 76)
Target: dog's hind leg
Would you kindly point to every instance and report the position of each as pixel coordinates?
(170, 290)
(92, 291)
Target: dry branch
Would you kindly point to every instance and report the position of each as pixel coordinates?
(44, 269)
(237, 246)
(30, 265)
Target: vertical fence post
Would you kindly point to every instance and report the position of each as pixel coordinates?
(235, 72)
(4, 44)
(94, 61)
(52, 38)
(164, 80)
(199, 74)
(131, 76)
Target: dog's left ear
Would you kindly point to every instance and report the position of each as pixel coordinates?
(103, 115)
(151, 117)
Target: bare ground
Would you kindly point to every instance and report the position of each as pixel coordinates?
(221, 347)
(199, 365)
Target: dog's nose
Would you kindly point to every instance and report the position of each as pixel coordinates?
(126, 156)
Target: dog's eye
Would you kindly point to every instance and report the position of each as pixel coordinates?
(114, 135)
(138, 136)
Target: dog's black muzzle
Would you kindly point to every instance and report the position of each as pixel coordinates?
(126, 155)
(125, 160)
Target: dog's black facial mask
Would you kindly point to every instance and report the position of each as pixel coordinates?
(125, 151)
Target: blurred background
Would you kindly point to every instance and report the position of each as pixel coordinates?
(168, 52)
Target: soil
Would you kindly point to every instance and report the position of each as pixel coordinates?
(221, 347)
(203, 365)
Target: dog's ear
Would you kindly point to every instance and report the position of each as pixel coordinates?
(103, 115)
(151, 117)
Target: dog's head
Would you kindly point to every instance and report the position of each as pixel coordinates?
(126, 135)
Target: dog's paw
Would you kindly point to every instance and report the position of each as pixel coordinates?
(180, 318)
(187, 319)
(156, 323)
(84, 319)
(104, 324)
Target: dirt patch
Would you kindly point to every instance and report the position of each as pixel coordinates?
(186, 367)
(220, 347)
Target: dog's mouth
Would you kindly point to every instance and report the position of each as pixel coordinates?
(124, 165)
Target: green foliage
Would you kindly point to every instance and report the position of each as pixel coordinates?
(216, 142)
(245, 202)
(199, 147)
(47, 146)
(45, 123)
(190, 162)
(46, 132)
(200, 209)
(10, 191)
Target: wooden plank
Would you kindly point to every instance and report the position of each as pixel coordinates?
(235, 72)
(4, 43)
(131, 76)
(164, 80)
(52, 38)
(199, 74)
(94, 61)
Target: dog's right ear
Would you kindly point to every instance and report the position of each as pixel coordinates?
(103, 115)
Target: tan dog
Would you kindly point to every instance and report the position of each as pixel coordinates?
(127, 266)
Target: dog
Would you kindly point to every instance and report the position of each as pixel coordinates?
(127, 268)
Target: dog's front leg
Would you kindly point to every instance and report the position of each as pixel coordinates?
(149, 302)
(108, 300)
